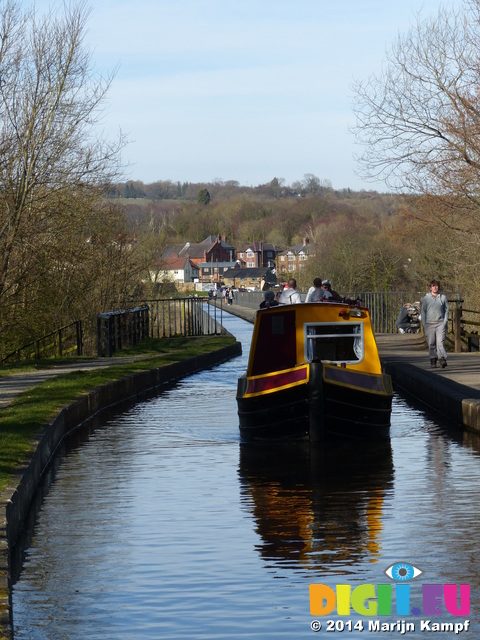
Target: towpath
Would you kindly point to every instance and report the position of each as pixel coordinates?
(14, 384)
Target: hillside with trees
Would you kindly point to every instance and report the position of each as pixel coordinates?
(363, 240)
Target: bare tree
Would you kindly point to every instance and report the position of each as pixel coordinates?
(419, 119)
(53, 166)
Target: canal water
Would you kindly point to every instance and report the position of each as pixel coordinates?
(161, 525)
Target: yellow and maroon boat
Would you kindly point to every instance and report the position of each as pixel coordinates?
(313, 373)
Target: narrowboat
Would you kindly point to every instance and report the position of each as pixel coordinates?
(314, 373)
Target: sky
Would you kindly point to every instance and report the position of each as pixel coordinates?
(243, 90)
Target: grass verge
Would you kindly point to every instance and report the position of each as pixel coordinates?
(22, 421)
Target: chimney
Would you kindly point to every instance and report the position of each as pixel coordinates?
(306, 240)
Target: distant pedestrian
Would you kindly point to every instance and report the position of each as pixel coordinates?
(434, 313)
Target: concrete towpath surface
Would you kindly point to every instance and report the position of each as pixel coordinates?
(453, 391)
(12, 385)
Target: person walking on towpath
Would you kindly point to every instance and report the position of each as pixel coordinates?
(434, 312)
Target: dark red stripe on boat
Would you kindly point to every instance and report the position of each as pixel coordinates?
(266, 384)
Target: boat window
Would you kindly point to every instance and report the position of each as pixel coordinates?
(334, 342)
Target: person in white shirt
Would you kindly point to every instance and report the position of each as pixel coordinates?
(290, 295)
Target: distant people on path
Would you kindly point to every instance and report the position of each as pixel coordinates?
(269, 300)
(289, 294)
(230, 296)
(317, 284)
(434, 312)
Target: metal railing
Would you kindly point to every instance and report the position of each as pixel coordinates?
(184, 317)
(67, 340)
(194, 316)
(119, 329)
(384, 306)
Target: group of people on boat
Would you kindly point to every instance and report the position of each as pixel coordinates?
(319, 292)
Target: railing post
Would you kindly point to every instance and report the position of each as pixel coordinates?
(78, 328)
(457, 326)
(99, 336)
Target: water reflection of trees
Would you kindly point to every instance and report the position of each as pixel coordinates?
(317, 510)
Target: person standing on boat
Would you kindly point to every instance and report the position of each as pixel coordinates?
(317, 284)
(290, 295)
(327, 285)
(434, 312)
(321, 294)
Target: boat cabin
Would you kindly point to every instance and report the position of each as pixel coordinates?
(291, 335)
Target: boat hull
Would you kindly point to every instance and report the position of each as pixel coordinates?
(319, 409)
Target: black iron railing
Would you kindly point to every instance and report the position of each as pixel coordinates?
(119, 329)
(184, 317)
(65, 341)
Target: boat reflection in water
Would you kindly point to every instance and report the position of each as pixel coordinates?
(314, 510)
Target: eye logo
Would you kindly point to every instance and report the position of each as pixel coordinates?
(403, 572)
(378, 600)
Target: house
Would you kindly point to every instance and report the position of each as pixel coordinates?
(181, 271)
(214, 271)
(212, 251)
(250, 277)
(257, 254)
(293, 259)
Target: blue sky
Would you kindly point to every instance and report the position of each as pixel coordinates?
(242, 90)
